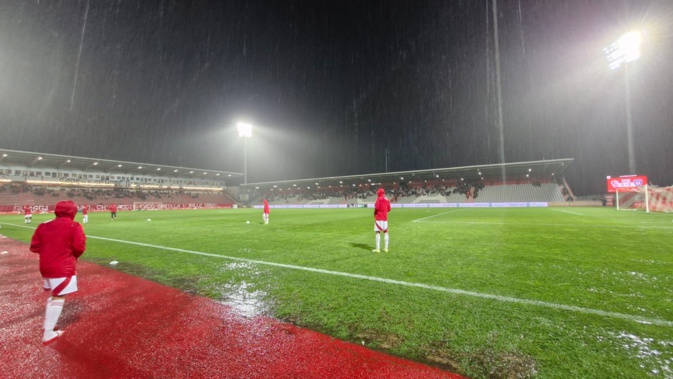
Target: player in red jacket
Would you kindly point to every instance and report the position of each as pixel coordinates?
(113, 211)
(59, 242)
(381, 209)
(266, 212)
(27, 214)
(85, 213)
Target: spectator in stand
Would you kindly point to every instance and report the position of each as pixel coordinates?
(59, 243)
(27, 214)
(381, 209)
(85, 213)
(113, 211)
(266, 212)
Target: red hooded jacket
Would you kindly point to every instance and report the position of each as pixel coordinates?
(59, 242)
(382, 206)
(266, 206)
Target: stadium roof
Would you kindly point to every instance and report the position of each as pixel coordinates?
(64, 162)
(513, 171)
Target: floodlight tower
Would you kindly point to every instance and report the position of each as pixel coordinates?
(245, 131)
(620, 53)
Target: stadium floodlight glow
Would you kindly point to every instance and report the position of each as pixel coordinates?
(140, 167)
(245, 131)
(625, 49)
(119, 165)
(175, 170)
(621, 52)
(158, 168)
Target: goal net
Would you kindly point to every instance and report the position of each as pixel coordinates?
(646, 198)
(147, 206)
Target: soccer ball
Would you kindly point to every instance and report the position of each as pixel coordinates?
(149, 219)
(247, 222)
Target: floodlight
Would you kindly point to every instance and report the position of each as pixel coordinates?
(625, 49)
(244, 130)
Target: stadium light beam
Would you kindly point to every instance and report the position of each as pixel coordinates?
(245, 131)
(620, 53)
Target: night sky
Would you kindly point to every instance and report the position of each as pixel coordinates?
(331, 85)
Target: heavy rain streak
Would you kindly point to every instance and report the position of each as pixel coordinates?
(340, 87)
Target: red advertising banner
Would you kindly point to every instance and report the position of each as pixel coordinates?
(42, 209)
(625, 183)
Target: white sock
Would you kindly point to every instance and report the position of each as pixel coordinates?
(51, 315)
(385, 239)
(378, 241)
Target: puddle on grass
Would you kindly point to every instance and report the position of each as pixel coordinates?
(241, 295)
(244, 296)
(654, 356)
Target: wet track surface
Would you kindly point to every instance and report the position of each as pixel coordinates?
(121, 326)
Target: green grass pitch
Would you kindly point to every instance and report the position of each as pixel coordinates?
(488, 293)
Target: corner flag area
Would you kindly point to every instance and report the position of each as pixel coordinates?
(121, 326)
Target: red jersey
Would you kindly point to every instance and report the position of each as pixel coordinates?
(382, 206)
(85, 210)
(59, 242)
(27, 211)
(113, 208)
(266, 206)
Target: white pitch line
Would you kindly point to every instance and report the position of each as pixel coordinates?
(454, 291)
(548, 224)
(564, 211)
(425, 218)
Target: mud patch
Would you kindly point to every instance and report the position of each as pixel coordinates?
(487, 363)
(377, 339)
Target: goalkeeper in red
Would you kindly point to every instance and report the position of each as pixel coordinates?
(381, 209)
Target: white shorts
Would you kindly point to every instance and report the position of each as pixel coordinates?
(61, 286)
(28, 216)
(381, 226)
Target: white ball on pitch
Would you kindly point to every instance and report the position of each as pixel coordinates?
(114, 263)
(247, 222)
(149, 219)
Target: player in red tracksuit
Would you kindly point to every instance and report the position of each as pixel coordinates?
(266, 212)
(27, 214)
(59, 242)
(113, 211)
(381, 209)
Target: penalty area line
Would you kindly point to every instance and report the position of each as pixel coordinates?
(454, 291)
(572, 213)
(439, 214)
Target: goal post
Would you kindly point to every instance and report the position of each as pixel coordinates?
(647, 198)
(147, 205)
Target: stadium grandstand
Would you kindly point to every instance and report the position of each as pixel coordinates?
(40, 180)
(499, 184)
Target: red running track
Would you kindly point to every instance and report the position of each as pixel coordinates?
(121, 326)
